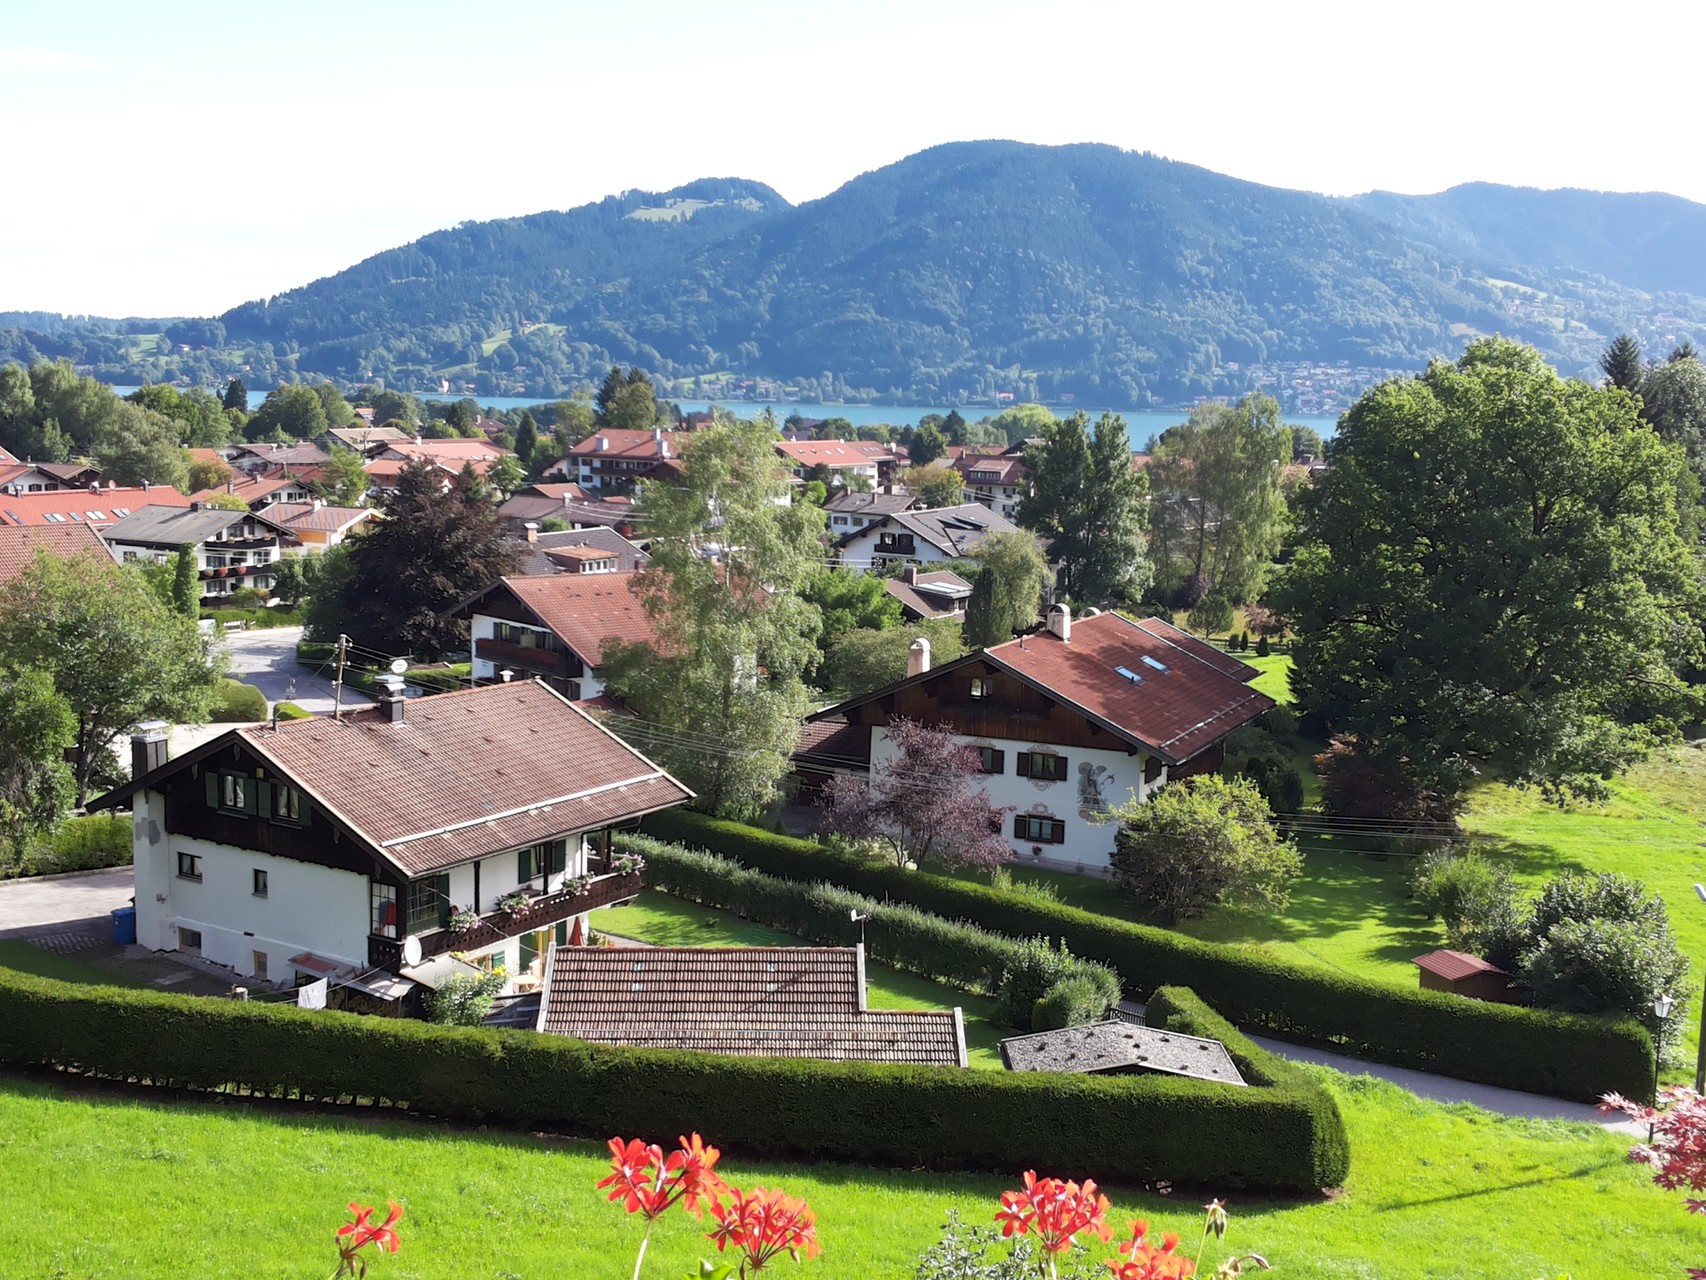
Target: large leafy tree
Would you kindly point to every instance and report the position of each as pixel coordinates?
(343, 477)
(433, 550)
(1087, 499)
(847, 601)
(859, 661)
(1008, 594)
(1206, 842)
(723, 692)
(1218, 512)
(922, 801)
(1497, 571)
(1673, 400)
(137, 444)
(294, 409)
(36, 729)
(116, 653)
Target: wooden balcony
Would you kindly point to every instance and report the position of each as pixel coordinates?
(495, 926)
(525, 658)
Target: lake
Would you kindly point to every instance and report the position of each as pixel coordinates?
(1140, 423)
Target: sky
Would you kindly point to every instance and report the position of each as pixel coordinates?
(177, 158)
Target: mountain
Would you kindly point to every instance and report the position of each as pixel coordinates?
(965, 271)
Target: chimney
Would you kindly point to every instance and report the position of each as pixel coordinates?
(909, 575)
(1060, 623)
(918, 657)
(601, 444)
(198, 506)
(663, 446)
(147, 747)
(230, 484)
(417, 437)
(532, 529)
(391, 700)
(94, 486)
(145, 484)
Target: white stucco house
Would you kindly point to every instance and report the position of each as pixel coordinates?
(935, 536)
(356, 848)
(1068, 722)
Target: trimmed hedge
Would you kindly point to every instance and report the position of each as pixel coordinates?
(290, 711)
(235, 702)
(952, 951)
(1132, 1127)
(1565, 1055)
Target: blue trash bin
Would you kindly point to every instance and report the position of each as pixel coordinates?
(124, 925)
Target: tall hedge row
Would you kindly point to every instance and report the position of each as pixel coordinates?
(1565, 1055)
(950, 951)
(1135, 1127)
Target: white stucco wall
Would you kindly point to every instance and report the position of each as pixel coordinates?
(861, 553)
(484, 627)
(1115, 775)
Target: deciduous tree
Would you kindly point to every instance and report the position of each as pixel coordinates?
(1008, 594)
(1087, 501)
(859, 661)
(186, 583)
(115, 652)
(723, 690)
(921, 800)
(1492, 573)
(935, 486)
(294, 409)
(136, 444)
(1205, 842)
(847, 601)
(37, 726)
(343, 478)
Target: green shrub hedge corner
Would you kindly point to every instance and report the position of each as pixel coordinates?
(1108, 1128)
(952, 951)
(1322, 1131)
(1564, 1055)
(259, 618)
(234, 701)
(290, 711)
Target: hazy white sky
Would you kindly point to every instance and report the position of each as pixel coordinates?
(179, 158)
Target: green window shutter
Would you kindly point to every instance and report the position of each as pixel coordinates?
(250, 787)
(529, 951)
(562, 933)
(559, 855)
(524, 866)
(212, 779)
(263, 797)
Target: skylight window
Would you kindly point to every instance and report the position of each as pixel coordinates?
(1129, 674)
(1154, 662)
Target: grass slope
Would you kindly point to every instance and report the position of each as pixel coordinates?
(26, 957)
(664, 921)
(238, 1190)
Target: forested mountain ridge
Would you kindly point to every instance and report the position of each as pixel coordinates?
(964, 271)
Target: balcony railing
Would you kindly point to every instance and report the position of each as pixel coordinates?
(550, 662)
(495, 926)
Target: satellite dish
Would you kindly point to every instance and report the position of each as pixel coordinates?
(411, 951)
(399, 665)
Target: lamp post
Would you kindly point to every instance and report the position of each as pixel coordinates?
(1662, 1006)
(859, 917)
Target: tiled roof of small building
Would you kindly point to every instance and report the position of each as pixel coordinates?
(776, 1002)
(585, 611)
(1456, 965)
(19, 544)
(1121, 1046)
(85, 506)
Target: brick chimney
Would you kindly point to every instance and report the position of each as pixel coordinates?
(391, 700)
(909, 575)
(918, 657)
(532, 531)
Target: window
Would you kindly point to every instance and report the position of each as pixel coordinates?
(1041, 765)
(384, 907)
(259, 964)
(1033, 830)
(236, 793)
(286, 804)
(429, 904)
(189, 939)
(991, 759)
(982, 687)
(537, 860)
(259, 879)
(189, 866)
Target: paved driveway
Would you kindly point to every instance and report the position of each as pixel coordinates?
(33, 907)
(266, 658)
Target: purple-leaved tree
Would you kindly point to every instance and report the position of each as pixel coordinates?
(922, 802)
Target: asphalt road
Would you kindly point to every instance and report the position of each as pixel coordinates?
(266, 658)
(29, 907)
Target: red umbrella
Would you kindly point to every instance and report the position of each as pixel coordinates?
(577, 935)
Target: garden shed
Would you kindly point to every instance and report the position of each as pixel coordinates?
(1463, 974)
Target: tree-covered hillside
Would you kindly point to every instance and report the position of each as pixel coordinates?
(959, 273)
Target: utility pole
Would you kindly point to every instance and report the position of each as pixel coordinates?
(338, 679)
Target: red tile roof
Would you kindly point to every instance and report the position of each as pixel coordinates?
(773, 1002)
(250, 489)
(73, 506)
(19, 544)
(1140, 679)
(467, 774)
(586, 611)
(629, 444)
(828, 453)
(1453, 965)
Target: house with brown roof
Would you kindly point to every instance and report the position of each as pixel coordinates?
(996, 481)
(849, 512)
(938, 594)
(537, 503)
(319, 526)
(19, 545)
(450, 455)
(561, 552)
(97, 506)
(843, 458)
(615, 461)
(46, 477)
(474, 823)
(769, 1002)
(232, 549)
(262, 486)
(552, 627)
(1068, 723)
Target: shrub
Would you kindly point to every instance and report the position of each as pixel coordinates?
(290, 711)
(1201, 843)
(1610, 895)
(464, 999)
(1589, 966)
(1005, 881)
(1475, 898)
(1073, 1001)
(1263, 649)
(234, 701)
(1033, 967)
(1287, 1135)
(79, 844)
(1357, 783)
(1278, 782)
(1536, 1050)
(1280, 720)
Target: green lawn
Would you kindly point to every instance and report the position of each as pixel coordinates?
(29, 958)
(671, 922)
(243, 1190)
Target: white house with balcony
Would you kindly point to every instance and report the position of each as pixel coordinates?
(233, 549)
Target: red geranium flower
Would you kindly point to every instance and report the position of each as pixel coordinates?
(764, 1224)
(359, 1232)
(646, 1182)
(1140, 1260)
(1057, 1211)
